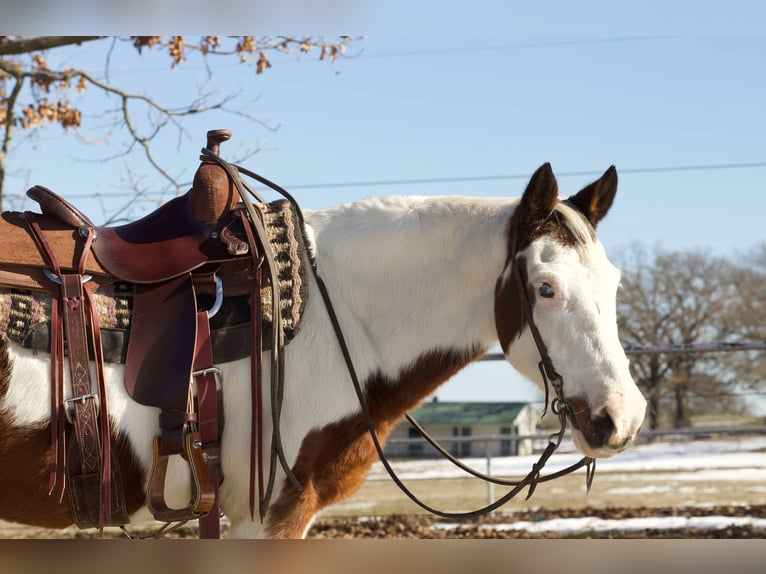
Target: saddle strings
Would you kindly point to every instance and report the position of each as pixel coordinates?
(56, 475)
(88, 322)
(277, 356)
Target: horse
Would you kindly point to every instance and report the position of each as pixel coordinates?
(421, 287)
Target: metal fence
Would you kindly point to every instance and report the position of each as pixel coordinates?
(540, 440)
(682, 348)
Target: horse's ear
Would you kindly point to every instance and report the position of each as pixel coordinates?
(541, 195)
(595, 199)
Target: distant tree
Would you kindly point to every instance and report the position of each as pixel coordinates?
(35, 93)
(678, 298)
(748, 368)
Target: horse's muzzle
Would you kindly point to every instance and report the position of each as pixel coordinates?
(599, 431)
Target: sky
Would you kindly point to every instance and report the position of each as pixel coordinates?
(434, 100)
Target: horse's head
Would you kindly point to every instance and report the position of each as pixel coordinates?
(571, 288)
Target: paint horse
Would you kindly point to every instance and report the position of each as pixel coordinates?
(421, 286)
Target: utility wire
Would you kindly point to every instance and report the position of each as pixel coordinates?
(516, 46)
(464, 179)
(365, 54)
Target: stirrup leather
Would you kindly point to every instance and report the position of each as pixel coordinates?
(203, 488)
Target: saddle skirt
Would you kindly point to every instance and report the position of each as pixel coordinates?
(25, 312)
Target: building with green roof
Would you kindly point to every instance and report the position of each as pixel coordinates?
(467, 429)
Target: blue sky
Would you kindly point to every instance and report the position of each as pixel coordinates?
(640, 87)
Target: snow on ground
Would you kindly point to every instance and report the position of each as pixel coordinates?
(586, 523)
(742, 460)
(735, 459)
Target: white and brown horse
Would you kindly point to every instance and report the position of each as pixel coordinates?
(421, 287)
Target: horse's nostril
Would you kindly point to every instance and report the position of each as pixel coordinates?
(597, 429)
(601, 429)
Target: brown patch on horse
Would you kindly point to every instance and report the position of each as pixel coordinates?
(26, 453)
(333, 461)
(510, 314)
(538, 215)
(534, 217)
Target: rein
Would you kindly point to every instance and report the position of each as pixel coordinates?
(559, 407)
(549, 374)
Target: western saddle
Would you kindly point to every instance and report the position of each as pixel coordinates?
(211, 241)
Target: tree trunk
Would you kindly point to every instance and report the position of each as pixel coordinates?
(653, 412)
(681, 418)
(2, 177)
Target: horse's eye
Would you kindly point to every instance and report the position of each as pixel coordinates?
(545, 290)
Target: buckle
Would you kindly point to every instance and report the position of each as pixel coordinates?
(69, 407)
(56, 279)
(211, 370)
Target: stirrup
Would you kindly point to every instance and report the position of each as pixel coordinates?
(203, 489)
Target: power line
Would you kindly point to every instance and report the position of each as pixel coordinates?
(364, 54)
(505, 177)
(679, 348)
(515, 46)
(468, 179)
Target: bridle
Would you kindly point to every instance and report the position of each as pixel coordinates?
(550, 376)
(558, 406)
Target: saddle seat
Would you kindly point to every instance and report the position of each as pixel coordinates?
(185, 233)
(171, 241)
(176, 238)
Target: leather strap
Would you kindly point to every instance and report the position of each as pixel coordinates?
(256, 371)
(256, 232)
(56, 474)
(207, 400)
(75, 316)
(83, 399)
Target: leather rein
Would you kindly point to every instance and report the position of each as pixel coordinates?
(559, 407)
(550, 376)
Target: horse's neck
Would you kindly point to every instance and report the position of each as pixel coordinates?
(413, 275)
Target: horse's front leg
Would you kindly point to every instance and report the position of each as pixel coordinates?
(332, 463)
(291, 516)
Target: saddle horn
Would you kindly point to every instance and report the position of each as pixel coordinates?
(212, 193)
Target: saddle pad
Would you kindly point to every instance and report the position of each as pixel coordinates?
(25, 314)
(292, 260)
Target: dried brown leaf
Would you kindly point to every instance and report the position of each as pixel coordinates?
(139, 42)
(262, 63)
(176, 50)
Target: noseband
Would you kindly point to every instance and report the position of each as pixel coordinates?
(558, 405)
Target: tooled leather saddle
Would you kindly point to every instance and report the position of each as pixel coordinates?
(213, 243)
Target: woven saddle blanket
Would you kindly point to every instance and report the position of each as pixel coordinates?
(25, 314)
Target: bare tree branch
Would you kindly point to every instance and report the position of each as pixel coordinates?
(682, 298)
(39, 96)
(11, 46)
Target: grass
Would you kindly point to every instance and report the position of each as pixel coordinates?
(609, 490)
